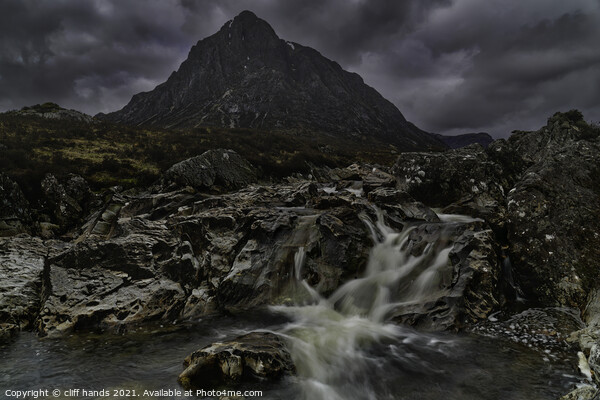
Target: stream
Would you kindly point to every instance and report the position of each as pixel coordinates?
(343, 346)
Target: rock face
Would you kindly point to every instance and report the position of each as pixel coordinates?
(554, 212)
(113, 284)
(21, 267)
(214, 168)
(540, 192)
(257, 355)
(15, 216)
(465, 181)
(246, 76)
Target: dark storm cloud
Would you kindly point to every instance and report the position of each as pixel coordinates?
(451, 66)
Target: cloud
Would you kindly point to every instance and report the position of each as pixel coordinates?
(451, 66)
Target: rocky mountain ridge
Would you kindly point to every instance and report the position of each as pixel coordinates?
(246, 76)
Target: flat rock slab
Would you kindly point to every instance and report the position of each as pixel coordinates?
(261, 355)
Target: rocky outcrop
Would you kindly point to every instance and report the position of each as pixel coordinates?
(21, 267)
(257, 355)
(554, 212)
(170, 256)
(67, 201)
(213, 169)
(540, 193)
(463, 181)
(52, 111)
(15, 215)
(139, 276)
(246, 76)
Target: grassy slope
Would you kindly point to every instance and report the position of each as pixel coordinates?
(107, 154)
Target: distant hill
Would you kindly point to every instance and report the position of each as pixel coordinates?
(34, 142)
(246, 76)
(455, 142)
(52, 111)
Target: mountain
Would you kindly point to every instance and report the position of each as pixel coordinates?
(246, 76)
(458, 141)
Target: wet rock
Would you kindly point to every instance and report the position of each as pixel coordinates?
(212, 169)
(181, 255)
(21, 268)
(248, 255)
(141, 275)
(440, 179)
(257, 355)
(15, 215)
(594, 360)
(554, 214)
(466, 289)
(247, 241)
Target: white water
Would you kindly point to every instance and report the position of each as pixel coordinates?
(329, 338)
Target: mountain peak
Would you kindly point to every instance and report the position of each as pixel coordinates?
(247, 15)
(246, 25)
(246, 76)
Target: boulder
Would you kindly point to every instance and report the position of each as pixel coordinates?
(257, 355)
(218, 168)
(15, 215)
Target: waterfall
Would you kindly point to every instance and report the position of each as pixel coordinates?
(329, 337)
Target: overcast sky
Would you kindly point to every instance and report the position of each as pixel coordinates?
(451, 66)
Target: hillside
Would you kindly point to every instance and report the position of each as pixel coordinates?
(108, 154)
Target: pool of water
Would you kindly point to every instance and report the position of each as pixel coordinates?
(406, 365)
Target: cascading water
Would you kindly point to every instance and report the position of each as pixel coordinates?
(344, 346)
(330, 337)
